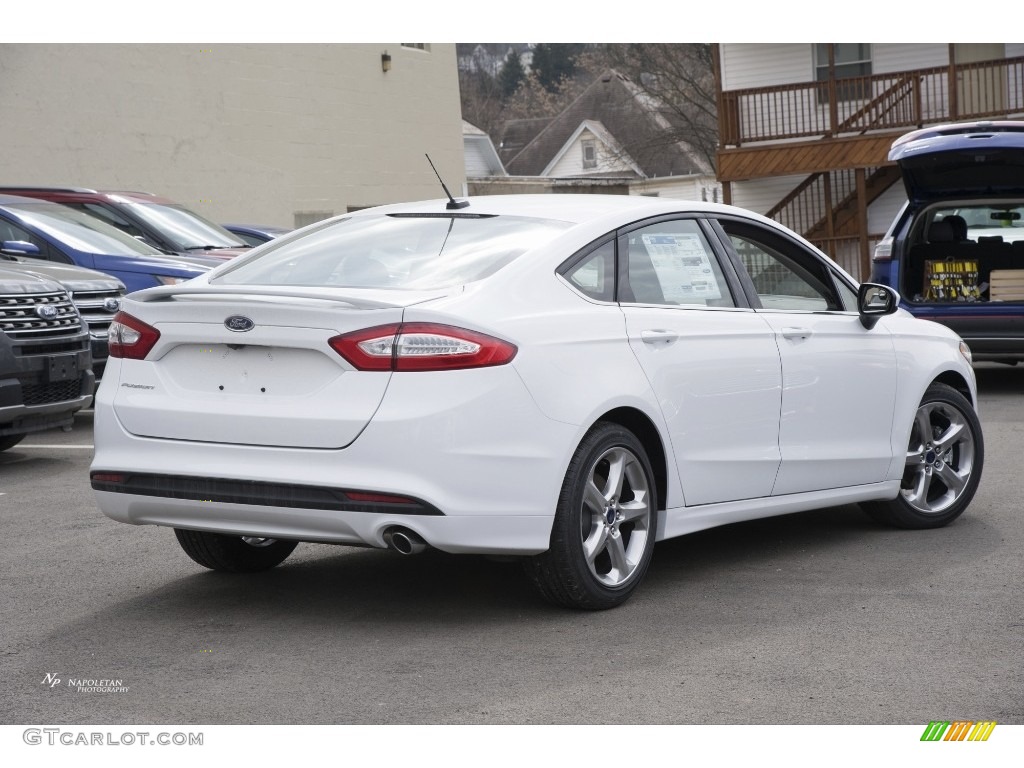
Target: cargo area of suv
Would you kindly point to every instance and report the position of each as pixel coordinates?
(955, 252)
(967, 252)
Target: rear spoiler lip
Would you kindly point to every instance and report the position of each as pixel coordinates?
(356, 298)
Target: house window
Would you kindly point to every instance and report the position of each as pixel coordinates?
(417, 46)
(589, 154)
(852, 60)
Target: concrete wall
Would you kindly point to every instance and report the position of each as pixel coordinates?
(261, 133)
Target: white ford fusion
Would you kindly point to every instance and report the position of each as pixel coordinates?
(564, 378)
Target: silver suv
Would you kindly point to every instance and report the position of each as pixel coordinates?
(96, 295)
(45, 357)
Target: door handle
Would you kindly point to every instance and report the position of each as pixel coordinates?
(658, 337)
(796, 333)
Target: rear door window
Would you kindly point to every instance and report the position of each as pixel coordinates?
(671, 263)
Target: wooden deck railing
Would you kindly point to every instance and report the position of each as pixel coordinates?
(895, 100)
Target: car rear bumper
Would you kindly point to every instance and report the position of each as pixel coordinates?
(491, 534)
(481, 458)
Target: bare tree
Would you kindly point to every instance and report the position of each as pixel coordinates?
(483, 104)
(680, 79)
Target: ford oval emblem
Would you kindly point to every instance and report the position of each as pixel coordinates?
(239, 323)
(46, 311)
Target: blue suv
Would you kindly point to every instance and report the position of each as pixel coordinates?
(955, 251)
(43, 230)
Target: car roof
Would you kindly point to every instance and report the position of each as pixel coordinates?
(572, 208)
(36, 192)
(15, 199)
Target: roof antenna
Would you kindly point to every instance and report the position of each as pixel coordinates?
(453, 204)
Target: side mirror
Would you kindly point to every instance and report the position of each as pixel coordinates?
(874, 301)
(20, 248)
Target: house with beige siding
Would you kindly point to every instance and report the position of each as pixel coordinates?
(281, 134)
(805, 128)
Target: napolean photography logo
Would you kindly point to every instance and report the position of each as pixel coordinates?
(958, 730)
(85, 684)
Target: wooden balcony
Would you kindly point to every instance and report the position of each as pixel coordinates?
(850, 123)
(837, 133)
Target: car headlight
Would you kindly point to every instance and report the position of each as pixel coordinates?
(966, 352)
(167, 280)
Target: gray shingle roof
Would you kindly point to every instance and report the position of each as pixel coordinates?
(631, 116)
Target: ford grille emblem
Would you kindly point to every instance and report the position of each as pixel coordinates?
(239, 323)
(46, 311)
(110, 304)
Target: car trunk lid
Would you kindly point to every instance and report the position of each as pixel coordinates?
(967, 160)
(253, 368)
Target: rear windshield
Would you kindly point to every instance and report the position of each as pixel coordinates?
(395, 251)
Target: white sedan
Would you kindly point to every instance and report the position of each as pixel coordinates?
(563, 378)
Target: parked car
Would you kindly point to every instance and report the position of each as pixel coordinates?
(563, 378)
(45, 361)
(96, 296)
(254, 234)
(956, 249)
(42, 230)
(162, 223)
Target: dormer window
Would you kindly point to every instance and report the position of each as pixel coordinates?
(589, 154)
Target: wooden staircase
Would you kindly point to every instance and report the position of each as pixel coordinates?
(826, 205)
(831, 195)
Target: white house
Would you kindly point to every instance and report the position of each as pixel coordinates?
(612, 135)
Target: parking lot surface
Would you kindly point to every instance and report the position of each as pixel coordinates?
(815, 618)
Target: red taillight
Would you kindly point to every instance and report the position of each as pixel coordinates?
(130, 337)
(421, 347)
(883, 251)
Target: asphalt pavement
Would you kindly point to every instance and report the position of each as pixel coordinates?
(816, 618)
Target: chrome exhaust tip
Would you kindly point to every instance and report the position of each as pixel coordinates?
(403, 541)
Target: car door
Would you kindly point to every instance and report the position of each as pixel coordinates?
(838, 378)
(712, 363)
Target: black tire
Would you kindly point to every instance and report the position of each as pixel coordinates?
(10, 441)
(944, 462)
(618, 518)
(234, 554)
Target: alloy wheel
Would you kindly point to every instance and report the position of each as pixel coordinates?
(940, 458)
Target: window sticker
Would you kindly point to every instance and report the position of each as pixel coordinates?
(683, 267)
